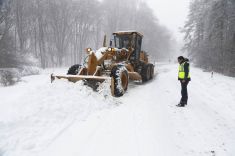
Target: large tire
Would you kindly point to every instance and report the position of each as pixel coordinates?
(73, 70)
(146, 72)
(151, 71)
(120, 75)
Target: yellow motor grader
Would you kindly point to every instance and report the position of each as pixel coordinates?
(122, 61)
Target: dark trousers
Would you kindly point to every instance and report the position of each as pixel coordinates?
(184, 92)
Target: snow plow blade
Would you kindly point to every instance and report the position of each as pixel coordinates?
(75, 78)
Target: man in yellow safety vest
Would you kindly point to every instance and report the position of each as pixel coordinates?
(184, 78)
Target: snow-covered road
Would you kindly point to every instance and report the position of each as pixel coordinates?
(42, 119)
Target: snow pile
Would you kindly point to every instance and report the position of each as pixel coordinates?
(37, 112)
(104, 89)
(29, 70)
(10, 76)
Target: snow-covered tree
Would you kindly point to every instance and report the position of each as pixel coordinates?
(209, 34)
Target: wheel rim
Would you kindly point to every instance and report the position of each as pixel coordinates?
(124, 81)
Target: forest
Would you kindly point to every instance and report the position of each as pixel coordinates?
(210, 35)
(55, 33)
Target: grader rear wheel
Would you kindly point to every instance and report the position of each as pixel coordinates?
(146, 72)
(151, 71)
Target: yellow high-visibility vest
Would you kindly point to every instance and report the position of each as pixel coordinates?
(181, 74)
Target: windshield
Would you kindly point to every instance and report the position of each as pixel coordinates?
(122, 41)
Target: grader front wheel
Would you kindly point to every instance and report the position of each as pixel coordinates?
(121, 79)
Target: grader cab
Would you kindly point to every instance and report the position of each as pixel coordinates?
(122, 61)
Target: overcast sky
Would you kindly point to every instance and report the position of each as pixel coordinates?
(171, 13)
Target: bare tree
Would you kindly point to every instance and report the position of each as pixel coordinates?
(56, 32)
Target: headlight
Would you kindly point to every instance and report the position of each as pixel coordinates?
(88, 50)
(111, 49)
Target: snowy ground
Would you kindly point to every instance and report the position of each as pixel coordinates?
(38, 118)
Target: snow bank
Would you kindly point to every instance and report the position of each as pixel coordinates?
(35, 112)
(10, 76)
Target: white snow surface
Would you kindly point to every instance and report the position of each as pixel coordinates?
(38, 118)
(99, 52)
